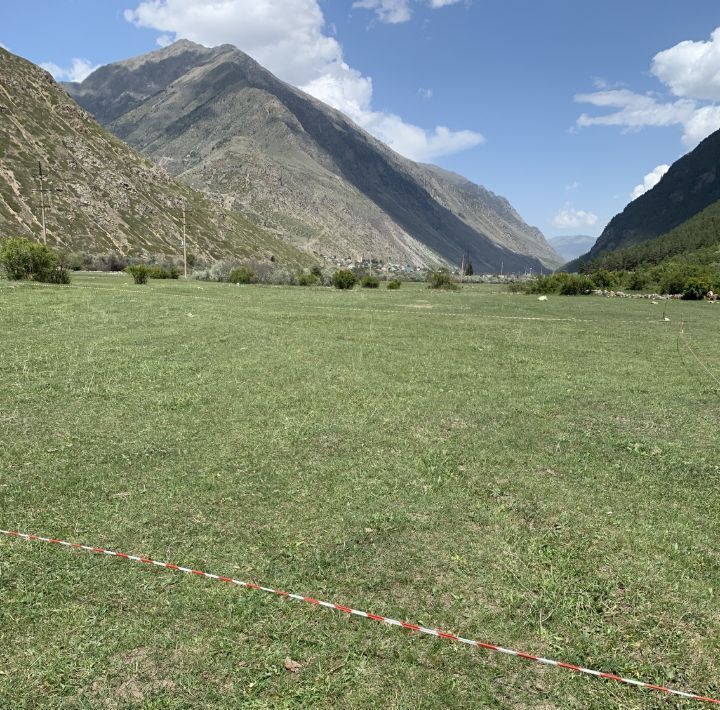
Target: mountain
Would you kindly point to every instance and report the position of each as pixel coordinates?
(691, 185)
(695, 242)
(220, 122)
(571, 247)
(103, 196)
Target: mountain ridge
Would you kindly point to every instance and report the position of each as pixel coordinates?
(104, 197)
(690, 185)
(222, 123)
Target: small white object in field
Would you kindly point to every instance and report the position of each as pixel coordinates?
(542, 298)
(190, 315)
(666, 319)
(655, 303)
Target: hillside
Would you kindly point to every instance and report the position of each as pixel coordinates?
(104, 197)
(691, 185)
(220, 122)
(696, 241)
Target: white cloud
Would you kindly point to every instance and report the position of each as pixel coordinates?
(691, 69)
(570, 218)
(390, 11)
(78, 70)
(636, 111)
(572, 186)
(649, 181)
(164, 40)
(691, 72)
(288, 37)
(426, 94)
(397, 11)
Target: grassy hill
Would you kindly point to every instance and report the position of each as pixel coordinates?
(104, 197)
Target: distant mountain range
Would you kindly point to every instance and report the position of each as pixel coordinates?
(690, 186)
(102, 195)
(571, 247)
(221, 123)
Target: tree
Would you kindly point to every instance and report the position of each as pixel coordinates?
(469, 271)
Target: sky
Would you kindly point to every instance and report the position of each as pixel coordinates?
(569, 109)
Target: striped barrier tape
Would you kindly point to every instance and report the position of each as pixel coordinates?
(366, 615)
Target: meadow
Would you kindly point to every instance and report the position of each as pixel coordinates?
(542, 475)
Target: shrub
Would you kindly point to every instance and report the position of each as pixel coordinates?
(370, 282)
(394, 285)
(23, 259)
(73, 261)
(139, 272)
(441, 279)
(695, 289)
(58, 275)
(577, 285)
(242, 275)
(344, 279)
(520, 286)
(602, 278)
(638, 281)
(160, 272)
(306, 279)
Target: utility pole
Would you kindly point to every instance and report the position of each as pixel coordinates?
(41, 177)
(184, 241)
(184, 211)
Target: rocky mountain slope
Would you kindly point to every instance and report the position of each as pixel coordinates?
(220, 122)
(103, 196)
(691, 185)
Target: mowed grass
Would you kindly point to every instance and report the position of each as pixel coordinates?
(540, 475)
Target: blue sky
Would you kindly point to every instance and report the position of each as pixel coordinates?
(563, 107)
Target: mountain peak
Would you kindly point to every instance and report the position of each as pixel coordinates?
(223, 123)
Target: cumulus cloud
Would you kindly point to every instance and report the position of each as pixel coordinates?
(570, 218)
(575, 185)
(426, 94)
(288, 37)
(649, 181)
(691, 72)
(78, 70)
(397, 11)
(691, 69)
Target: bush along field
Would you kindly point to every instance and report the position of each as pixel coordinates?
(542, 475)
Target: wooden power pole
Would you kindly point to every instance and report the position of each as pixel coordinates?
(41, 177)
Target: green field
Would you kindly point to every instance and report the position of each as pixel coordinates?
(539, 475)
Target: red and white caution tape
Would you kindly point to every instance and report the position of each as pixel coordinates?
(366, 615)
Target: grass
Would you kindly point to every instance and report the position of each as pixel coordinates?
(540, 475)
